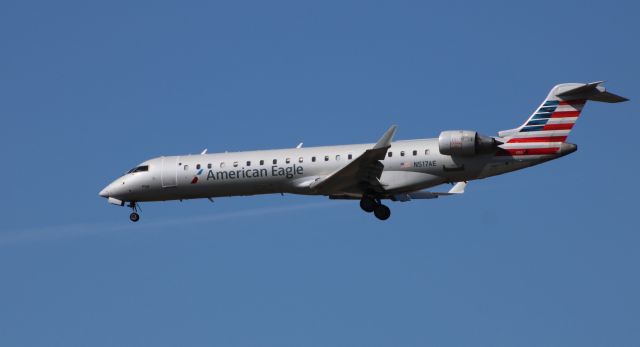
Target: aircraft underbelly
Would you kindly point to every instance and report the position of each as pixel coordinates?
(395, 181)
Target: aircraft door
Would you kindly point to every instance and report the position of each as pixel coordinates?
(169, 176)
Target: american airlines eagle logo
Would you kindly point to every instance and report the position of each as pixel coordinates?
(276, 171)
(195, 178)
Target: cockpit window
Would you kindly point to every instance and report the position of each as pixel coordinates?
(139, 169)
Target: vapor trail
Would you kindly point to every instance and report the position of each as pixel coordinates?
(78, 230)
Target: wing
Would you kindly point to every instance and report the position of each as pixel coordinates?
(362, 174)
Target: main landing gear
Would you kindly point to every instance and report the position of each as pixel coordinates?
(134, 216)
(369, 205)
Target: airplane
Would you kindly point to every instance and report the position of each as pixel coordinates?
(386, 170)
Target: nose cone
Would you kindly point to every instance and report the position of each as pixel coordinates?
(116, 189)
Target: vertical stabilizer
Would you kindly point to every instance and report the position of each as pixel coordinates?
(549, 126)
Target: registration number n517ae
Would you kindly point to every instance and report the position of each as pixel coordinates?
(426, 163)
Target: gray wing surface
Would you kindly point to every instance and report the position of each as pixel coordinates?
(360, 175)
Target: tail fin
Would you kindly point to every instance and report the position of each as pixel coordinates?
(552, 122)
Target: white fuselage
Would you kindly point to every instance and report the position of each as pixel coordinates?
(409, 166)
(398, 171)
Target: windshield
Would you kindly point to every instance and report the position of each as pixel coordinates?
(139, 169)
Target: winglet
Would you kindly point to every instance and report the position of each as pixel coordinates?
(385, 140)
(458, 188)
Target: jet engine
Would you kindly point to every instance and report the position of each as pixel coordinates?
(465, 143)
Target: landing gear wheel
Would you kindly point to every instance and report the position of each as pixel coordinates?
(382, 212)
(367, 205)
(134, 216)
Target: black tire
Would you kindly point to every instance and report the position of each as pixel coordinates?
(134, 217)
(368, 205)
(382, 212)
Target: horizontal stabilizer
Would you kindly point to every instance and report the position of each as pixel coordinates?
(608, 97)
(590, 91)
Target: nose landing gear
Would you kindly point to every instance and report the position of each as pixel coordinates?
(134, 216)
(369, 205)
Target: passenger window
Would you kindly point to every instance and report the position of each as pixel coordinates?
(288, 160)
(349, 156)
(261, 162)
(313, 159)
(426, 152)
(300, 160)
(221, 164)
(186, 167)
(235, 164)
(209, 166)
(402, 153)
(415, 153)
(248, 163)
(337, 157)
(198, 167)
(275, 161)
(389, 154)
(326, 158)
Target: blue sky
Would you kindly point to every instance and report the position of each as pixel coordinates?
(542, 257)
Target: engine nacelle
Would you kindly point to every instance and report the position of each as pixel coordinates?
(465, 143)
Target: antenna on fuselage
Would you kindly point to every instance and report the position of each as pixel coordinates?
(299, 145)
(204, 152)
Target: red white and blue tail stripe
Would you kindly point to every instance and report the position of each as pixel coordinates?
(546, 129)
(549, 126)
